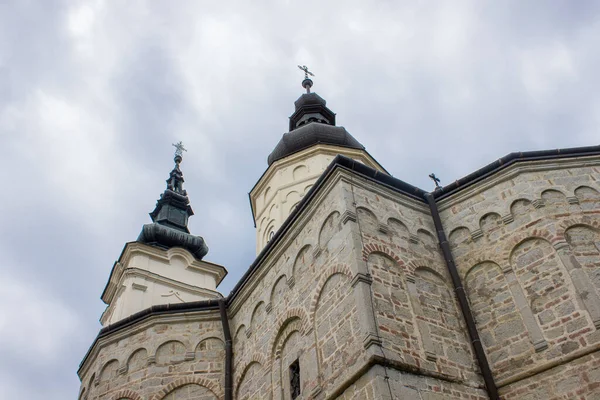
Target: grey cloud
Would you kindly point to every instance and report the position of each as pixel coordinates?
(92, 95)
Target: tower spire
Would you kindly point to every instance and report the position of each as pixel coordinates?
(307, 82)
(170, 216)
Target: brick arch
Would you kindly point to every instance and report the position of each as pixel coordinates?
(304, 249)
(294, 325)
(441, 277)
(152, 349)
(99, 376)
(276, 281)
(583, 220)
(335, 269)
(296, 312)
(334, 219)
(370, 211)
(129, 394)
(379, 248)
(238, 330)
(206, 337)
(519, 237)
(422, 263)
(184, 341)
(256, 358)
(282, 323)
(209, 335)
(474, 262)
(216, 390)
(236, 386)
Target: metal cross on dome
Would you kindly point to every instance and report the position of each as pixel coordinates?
(306, 71)
(179, 149)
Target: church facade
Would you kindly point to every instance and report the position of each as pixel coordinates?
(364, 286)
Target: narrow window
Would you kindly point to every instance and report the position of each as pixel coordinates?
(295, 379)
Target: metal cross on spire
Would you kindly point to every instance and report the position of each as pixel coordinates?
(179, 149)
(306, 71)
(307, 82)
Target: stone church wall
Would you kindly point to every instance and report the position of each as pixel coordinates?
(300, 306)
(527, 246)
(418, 318)
(166, 358)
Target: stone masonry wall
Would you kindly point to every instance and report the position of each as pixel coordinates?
(418, 317)
(308, 303)
(301, 306)
(168, 358)
(527, 246)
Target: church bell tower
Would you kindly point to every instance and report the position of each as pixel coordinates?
(298, 160)
(165, 264)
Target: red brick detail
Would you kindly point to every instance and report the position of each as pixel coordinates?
(583, 220)
(378, 248)
(186, 381)
(128, 394)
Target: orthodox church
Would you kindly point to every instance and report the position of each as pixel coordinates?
(364, 286)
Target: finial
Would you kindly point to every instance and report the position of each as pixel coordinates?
(436, 180)
(307, 82)
(179, 149)
(175, 181)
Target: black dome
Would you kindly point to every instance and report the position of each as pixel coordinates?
(310, 134)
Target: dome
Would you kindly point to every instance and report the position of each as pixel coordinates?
(310, 134)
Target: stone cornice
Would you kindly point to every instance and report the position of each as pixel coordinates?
(512, 171)
(142, 325)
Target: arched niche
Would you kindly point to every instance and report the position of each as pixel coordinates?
(554, 199)
(398, 228)
(171, 352)
(278, 290)
(589, 198)
(460, 239)
(254, 383)
(330, 227)
(137, 361)
(209, 355)
(334, 321)
(302, 261)
(440, 312)
(300, 172)
(109, 371)
(367, 221)
(390, 295)
(585, 243)
(546, 284)
(497, 317)
(190, 391)
(490, 223)
(258, 319)
(521, 210)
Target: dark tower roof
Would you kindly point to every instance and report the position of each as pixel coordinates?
(170, 216)
(311, 123)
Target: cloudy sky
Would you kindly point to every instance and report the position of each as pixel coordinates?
(92, 94)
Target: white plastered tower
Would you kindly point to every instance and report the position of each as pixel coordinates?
(164, 265)
(298, 160)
